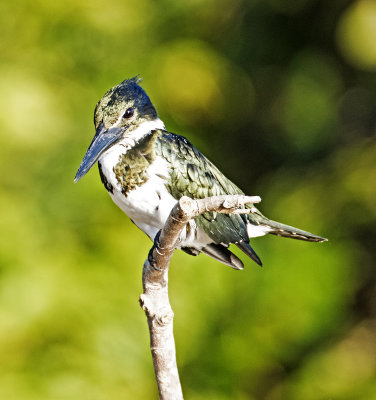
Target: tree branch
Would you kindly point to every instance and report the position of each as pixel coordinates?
(154, 300)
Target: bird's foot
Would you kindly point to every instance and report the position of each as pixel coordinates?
(150, 255)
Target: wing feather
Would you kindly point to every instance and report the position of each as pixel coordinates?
(193, 175)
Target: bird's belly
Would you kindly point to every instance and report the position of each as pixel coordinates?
(148, 206)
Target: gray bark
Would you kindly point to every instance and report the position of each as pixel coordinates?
(154, 300)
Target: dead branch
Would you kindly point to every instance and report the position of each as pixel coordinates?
(155, 301)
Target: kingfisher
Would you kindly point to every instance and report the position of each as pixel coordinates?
(147, 169)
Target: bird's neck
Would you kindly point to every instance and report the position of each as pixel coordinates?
(131, 139)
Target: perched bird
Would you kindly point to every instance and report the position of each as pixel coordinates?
(147, 169)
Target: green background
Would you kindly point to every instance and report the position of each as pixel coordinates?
(281, 96)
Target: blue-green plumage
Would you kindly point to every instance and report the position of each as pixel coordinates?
(194, 176)
(146, 169)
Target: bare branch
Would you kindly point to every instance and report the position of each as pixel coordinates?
(155, 301)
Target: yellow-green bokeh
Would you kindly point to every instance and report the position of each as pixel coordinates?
(356, 34)
(281, 96)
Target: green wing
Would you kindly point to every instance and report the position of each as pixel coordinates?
(193, 175)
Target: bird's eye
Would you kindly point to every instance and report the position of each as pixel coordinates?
(128, 112)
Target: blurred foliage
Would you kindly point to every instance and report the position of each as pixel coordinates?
(281, 96)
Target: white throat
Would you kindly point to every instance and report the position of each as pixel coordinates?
(130, 139)
(111, 156)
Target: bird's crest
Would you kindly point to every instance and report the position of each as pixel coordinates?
(136, 79)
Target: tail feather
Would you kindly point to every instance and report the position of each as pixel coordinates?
(278, 229)
(223, 255)
(256, 219)
(247, 249)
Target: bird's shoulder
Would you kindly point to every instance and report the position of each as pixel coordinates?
(192, 174)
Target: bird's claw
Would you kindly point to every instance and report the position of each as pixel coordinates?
(150, 255)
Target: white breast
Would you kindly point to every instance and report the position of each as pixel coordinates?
(149, 205)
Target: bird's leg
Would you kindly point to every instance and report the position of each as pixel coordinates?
(156, 246)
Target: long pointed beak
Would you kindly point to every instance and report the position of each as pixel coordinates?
(102, 140)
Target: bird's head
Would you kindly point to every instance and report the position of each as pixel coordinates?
(119, 112)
